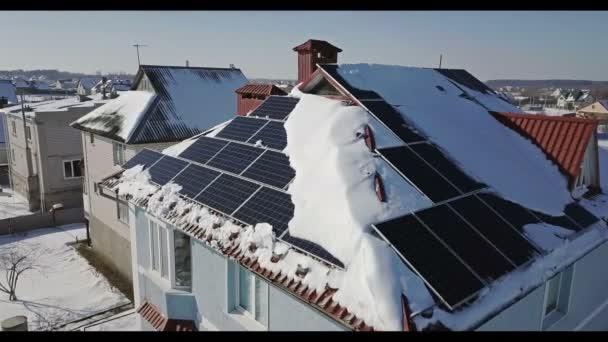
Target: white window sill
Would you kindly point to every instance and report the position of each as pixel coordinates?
(245, 321)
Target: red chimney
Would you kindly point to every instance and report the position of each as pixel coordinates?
(313, 52)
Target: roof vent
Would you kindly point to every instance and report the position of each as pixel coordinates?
(252, 247)
(276, 257)
(233, 236)
(379, 187)
(302, 271)
(369, 138)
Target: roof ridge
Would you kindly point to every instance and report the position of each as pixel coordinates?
(185, 67)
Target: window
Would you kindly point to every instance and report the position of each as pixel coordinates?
(118, 150)
(28, 132)
(123, 212)
(557, 297)
(71, 169)
(13, 154)
(183, 271)
(158, 249)
(92, 137)
(154, 245)
(14, 127)
(249, 294)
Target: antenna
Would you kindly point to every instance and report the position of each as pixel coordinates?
(440, 58)
(137, 46)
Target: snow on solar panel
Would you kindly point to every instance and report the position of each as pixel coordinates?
(267, 206)
(312, 249)
(145, 157)
(580, 215)
(235, 157)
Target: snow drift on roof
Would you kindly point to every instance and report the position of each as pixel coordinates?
(518, 170)
(120, 116)
(335, 204)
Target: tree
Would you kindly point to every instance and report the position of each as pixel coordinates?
(16, 259)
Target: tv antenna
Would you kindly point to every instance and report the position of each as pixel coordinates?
(137, 46)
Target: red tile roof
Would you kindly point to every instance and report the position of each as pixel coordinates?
(260, 89)
(316, 45)
(150, 313)
(563, 139)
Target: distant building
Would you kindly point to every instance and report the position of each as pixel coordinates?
(574, 99)
(64, 85)
(7, 93)
(597, 110)
(46, 153)
(85, 85)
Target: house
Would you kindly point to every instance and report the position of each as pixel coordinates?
(373, 197)
(85, 85)
(165, 105)
(574, 99)
(45, 153)
(7, 93)
(64, 85)
(251, 95)
(598, 111)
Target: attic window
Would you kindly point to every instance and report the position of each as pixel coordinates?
(440, 88)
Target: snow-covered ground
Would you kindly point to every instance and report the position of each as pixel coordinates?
(124, 321)
(551, 111)
(12, 204)
(65, 288)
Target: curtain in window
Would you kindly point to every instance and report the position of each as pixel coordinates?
(183, 276)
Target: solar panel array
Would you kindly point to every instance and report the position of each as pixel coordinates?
(470, 237)
(231, 174)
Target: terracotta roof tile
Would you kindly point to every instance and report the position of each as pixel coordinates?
(260, 89)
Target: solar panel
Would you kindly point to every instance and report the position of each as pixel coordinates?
(449, 278)
(561, 221)
(419, 173)
(203, 149)
(227, 193)
(332, 70)
(145, 157)
(235, 157)
(393, 120)
(514, 213)
(464, 78)
(273, 135)
(480, 255)
(267, 206)
(446, 167)
(271, 168)
(580, 215)
(496, 230)
(312, 248)
(165, 169)
(241, 128)
(275, 107)
(194, 179)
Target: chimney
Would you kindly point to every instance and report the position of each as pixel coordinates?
(314, 52)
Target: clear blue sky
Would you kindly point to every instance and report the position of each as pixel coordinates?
(527, 45)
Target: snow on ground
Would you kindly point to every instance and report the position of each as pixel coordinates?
(123, 113)
(124, 321)
(468, 133)
(551, 111)
(12, 204)
(336, 169)
(66, 287)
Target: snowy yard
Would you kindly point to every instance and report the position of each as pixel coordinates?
(12, 204)
(124, 321)
(65, 288)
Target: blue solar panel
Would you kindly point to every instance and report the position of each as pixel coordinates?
(194, 179)
(145, 157)
(275, 107)
(271, 168)
(312, 248)
(165, 169)
(203, 149)
(227, 193)
(241, 128)
(267, 206)
(235, 157)
(273, 135)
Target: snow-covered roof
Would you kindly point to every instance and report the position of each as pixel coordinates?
(88, 82)
(7, 90)
(55, 105)
(186, 101)
(322, 219)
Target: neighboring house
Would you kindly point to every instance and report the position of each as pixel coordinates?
(45, 154)
(20, 83)
(85, 85)
(598, 111)
(378, 227)
(574, 99)
(251, 95)
(7, 93)
(64, 85)
(166, 104)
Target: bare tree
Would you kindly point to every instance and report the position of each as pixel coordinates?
(16, 259)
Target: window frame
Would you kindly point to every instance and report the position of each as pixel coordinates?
(14, 127)
(28, 132)
(72, 168)
(123, 218)
(563, 298)
(91, 137)
(250, 319)
(119, 152)
(168, 279)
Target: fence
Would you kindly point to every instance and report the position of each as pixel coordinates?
(24, 223)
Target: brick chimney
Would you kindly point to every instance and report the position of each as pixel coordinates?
(312, 52)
